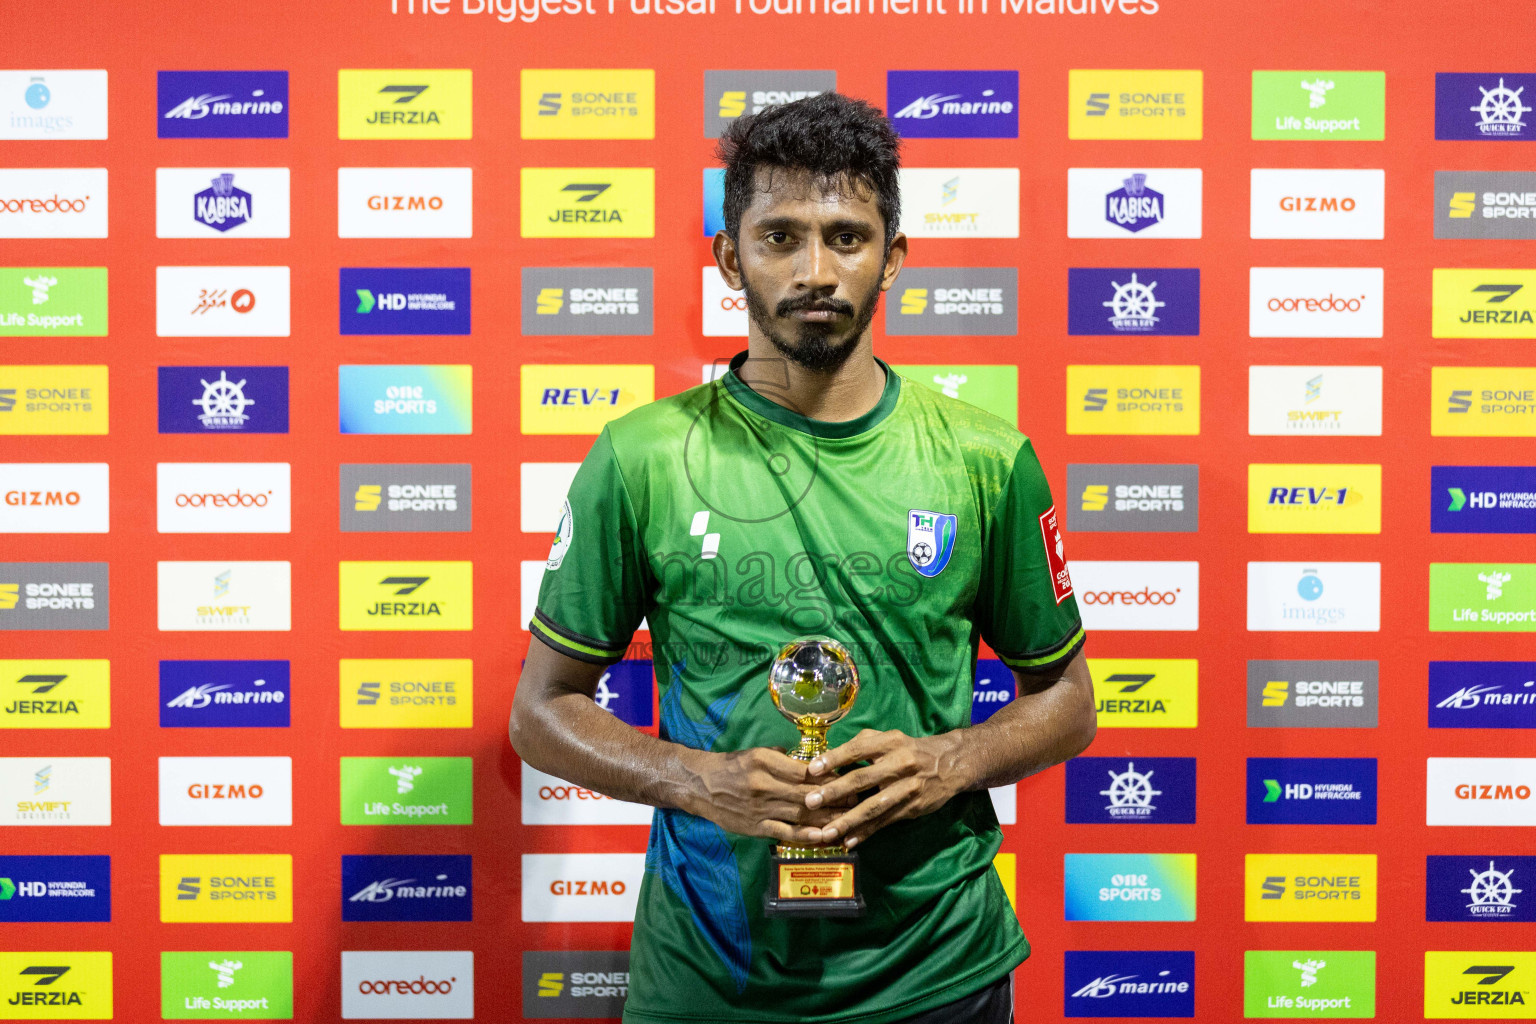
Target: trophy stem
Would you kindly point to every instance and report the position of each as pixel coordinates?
(813, 739)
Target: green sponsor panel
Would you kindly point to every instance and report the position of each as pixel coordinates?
(406, 791)
(1302, 983)
(241, 985)
(1474, 597)
(1328, 105)
(49, 302)
(994, 389)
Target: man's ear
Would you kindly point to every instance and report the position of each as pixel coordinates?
(894, 260)
(726, 259)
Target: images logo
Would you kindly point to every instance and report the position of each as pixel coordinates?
(55, 889)
(1485, 204)
(1133, 399)
(191, 202)
(1314, 498)
(588, 202)
(587, 301)
(581, 886)
(954, 104)
(225, 399)
(993, 388)
(1481, 985)
(1125, 983)
(1130, 887)
(223, 497)
(1142, 790)
(571, 983)
(1139, 595)
(49, 400)
(407, 693)
(1134, 104)
(407, 595)
(224, 596)
(403, 103)
(48, 302)
(62, 694)
(1489, 106)
(408, 498)
(573, 398)
(1484, 303)
(960, 202)
(1482, 888)
(1314, 400)
(1482, 499)
(1309, 887)
(956, 301)
(226, 791)
(222, 105)
(1333, 203)
(243, 985)
(1124, 301)
(1483, 401)
(405, 202)
(730, 94)
(226, 888)
(1309, 983)
(1318, 596)
(406, 791)
(1482, 695)
(380, 399)
(224, 694)
(406, 888)
(1477, 597)
(53, 202)
(1146, 693)
(53, 595)
(1315, 302)
(1331, 106)
(413, 984)
(1124, 498)
(53, 105)
(56, 986)
(55, 791)
(588, 104)
(1311, 791)
(416, 300)
(1480, 791)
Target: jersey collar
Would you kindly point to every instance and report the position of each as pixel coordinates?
(771, 410)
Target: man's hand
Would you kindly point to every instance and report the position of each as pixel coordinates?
(915, 775)
(758, 792)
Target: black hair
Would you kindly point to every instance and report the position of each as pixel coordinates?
(842, 141)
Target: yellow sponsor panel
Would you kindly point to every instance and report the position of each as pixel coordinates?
(1133, 399)
(1132, 104)
(1146, 693)
(226, 888)
(580, 398)
(1007, 866)
(407, 693)
(1309, 887)
(404, 103)
(1484, 303)
(588, 202)
(1483, 401)
(589, 103)
(55, 986)
(71, 693)
(407, 595)
(1487, 985)
(1314, 498)
(53, 400)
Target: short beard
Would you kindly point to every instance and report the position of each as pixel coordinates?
(812, 349)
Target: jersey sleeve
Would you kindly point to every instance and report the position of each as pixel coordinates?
(1027, 611)
(596, 581)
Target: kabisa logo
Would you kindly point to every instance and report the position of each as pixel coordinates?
(222, 104)
(1146, 693)
(407, 595)
(953, 104)
(407, 693)
(1482, 499)
(52, 400)
(224, 694)
(1485, 204)
(1481, 888)
(1129, 983)
(223, 399)
(588, 104)
(1311, 791)
(957, 301)
(406, 791)
(581, 398)
(56, 986)
(994, 688)
(1487, 106)
(406, 888)
(1315, 302)
(407, 984)
(53, 595)
(55, 791)
(1479, 985)
(222, 206)
(406, 498)
(1333, 596)
(221, 202)
(1482, 695)
(730, 94)
(1134, 206)
(581, 886)
(1480, 597)
(1484, 303)
(1314, 400)
(1131, 791)
(588, 202)
(1130, 886)
(587, 301)
(383, 399)
(1141, 104)
(53, 202)
(960, 202)
(47, 302)
(226, 791)
(1133, 399)
(1312, 694)
(226, 888)
(55, 888)
(1133, 497)
(53, 105)
(1309, 983)
(63, 694)
(575, 983)
(1483, 401)
(1119, 301)
(1320, 498)
(1332, 106)
(403, 103)
(229, 985)
(1308, 203)
(1309, 887)
(405, 202)
(415, 300)
(1480, 791)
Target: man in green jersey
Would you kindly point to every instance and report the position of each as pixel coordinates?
(811, 490)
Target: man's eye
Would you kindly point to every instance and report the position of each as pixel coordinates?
(778, 237)
(847, 238)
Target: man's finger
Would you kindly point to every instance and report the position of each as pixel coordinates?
(878, 807)
(865, 745)
(852, 783)
(781, 765)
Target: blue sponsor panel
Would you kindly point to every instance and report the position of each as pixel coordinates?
(222, 105)
(224, 695)
(61, 888)
(1482, 499)
(382, 399)
(714, 201)
(1131, 790)
(1482, 695)
(1129, 886)
(628, 689)
(223, 399)
(1483, 888)
(433, 887)
(995, 687)
(405, 300)
(1129, 983)
(1116, 301)
(1311, 791)
(953, 104)
(1490, 106)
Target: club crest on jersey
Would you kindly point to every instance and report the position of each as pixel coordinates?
(930, 540)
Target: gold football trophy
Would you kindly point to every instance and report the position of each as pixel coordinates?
(813, 682)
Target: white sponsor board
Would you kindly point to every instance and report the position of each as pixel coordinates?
(725, 311)
(548, 800)
(1138, 595)
(221, 202)
(1316, 401)
(55, 791)
(53, 202)
(221, 302)
(224, 596)
(581, 886)
(1480, 791)
(1134, 202)
(960, 202)
(1306, 203)
(53, 105)
(1315, 302)
(405, 202)
(400, 984)
(1337, 597)
(54, 497)
(223, 497)
(1005, 801)
(226, 791)
(544, 487)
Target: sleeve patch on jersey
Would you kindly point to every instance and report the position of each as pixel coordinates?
(1055, 554)
(562, 542)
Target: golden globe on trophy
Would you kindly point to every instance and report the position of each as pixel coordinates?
(813, 682)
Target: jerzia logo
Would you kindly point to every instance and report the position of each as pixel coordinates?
(404, 104)
(407, 595)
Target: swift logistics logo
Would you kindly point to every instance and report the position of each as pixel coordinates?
(1129, 886)
(1477, 791)
(581, 984)
(1328, 106)
(225, 985)
(955, 302)
(1482, 499)
(226, 791)
(222, 302)
(53, 400)
(587, 301)
(1139, 595)
(1315, 302)
(1314, 596)
(1311, 791)
(223, 399)
(222, 104)
(225, 695)
(56, 986)
(960, 202)
(405, 202)
(953, 104)
(407, 791)
(55, 888)
(1134, 202)
(730, 94)
(1485, 204)
(1310, 401)
(548, 800)
(589, 103)
(1483, 401)
(1310, 203)
(1482, 695)
(226, 888)
(1480, 985)
(53, 202)
(588, 202)
(1314, 498)
(1133, 399)
(1130, 791)
(58, 104)
(225, 596)
(989, 387)
(1487, 303)
(53, 302)
(1481, 889)
(1144, 104)
(1309, 887)
(70, 693)
(406, 498)
(1146, 693)
(54, 595)
(407, 693)
(52, 791)
(1131, 302)
(581, 398)
(405, 300)
(378, 985)
(407, 595)
(407, 888)
(1309, 983)
(221, 202)
(1129, 983)
(1313, 694)
(405, 103)
(1485, 106)
(1482, 597)
(400, 399)
(581, 886)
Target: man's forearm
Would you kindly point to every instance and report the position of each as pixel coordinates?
(1033, 732)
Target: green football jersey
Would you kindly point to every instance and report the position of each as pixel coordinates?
(733, 524)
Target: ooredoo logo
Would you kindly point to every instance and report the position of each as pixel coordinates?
(1139, 595)
(53, 202)
(1315, 302)
(223, 497)
(548, 800)
(404, 984)
(581, 886)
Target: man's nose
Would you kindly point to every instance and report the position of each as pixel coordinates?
(815, 269)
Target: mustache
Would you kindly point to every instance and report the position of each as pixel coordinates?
(806, 302)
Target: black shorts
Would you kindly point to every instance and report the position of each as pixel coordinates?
(992, 1005)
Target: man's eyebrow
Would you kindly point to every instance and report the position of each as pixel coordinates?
(784, 222)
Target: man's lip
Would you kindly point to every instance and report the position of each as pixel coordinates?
(816, 315)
